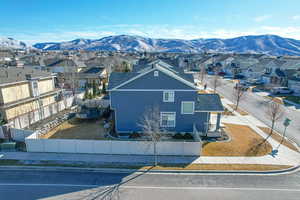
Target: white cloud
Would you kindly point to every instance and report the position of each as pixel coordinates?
(296, 17)
(290, 32)
(262, 18)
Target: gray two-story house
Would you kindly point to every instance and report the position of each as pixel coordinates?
(157, 84)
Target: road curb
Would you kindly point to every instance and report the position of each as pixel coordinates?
(126, 170)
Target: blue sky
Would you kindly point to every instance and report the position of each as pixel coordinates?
(60, 20)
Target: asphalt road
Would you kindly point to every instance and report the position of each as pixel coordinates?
(45, 184)
(257, 105)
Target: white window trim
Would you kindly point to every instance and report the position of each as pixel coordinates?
(166, 91)
(156, 73)
(182, 107)
(168, 113)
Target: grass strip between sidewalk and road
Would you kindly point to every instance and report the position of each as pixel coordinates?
(276, 136)
(189, 167)
(240, 111)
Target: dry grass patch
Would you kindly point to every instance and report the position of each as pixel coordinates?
(244, 142)
(276, 136)
(191, 167)
(77, 129)
(203, 92)
(240, 111)
(276, 99)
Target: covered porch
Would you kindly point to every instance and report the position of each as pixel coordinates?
(212, 127)
(212, 105)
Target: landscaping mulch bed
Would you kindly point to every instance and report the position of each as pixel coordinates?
(276, 136)
(244, 142)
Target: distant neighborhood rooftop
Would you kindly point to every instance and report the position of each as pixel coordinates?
(94, 70)
(16, 74)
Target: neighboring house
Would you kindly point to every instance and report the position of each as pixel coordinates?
(274, 76)
(23, 92)
(232, 69)
(169, 89)
(293, 76)
(90, 76)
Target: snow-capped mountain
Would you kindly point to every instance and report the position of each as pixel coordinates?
(268, 44)
(11, 43)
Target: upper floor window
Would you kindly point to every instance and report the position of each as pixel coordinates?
(155, 73)
(168, 96)
(187, 107)
(167, 119)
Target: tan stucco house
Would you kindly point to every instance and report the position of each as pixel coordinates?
(24, 93)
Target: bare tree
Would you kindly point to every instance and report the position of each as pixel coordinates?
(150, 125)
(238, 95)
(274, 113)
(215, 82)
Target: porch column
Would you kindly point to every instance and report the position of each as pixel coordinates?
(218, 121)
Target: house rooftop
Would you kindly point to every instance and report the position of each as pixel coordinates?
(16, 74)
(209, 102)
(116, 78)
(94, 70)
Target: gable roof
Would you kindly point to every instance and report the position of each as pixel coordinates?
(208, 102)
(118, 79)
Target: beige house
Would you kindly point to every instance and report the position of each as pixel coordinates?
(24, 93)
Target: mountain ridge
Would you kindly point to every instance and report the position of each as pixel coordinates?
(262, 44)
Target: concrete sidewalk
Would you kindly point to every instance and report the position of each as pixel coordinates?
(285, 155)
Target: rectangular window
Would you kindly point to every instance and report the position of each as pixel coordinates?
(35, 88)
(168, 96)
(187, 107)
(167, 119)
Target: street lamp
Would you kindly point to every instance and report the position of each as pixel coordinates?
(286, 123)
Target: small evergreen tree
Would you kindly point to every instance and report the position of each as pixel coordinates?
(86, 93)
(94, 89)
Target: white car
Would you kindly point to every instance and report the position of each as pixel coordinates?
(281, 90)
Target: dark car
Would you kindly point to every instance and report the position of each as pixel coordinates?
(244, 87)
(239, 76)
(221, 73)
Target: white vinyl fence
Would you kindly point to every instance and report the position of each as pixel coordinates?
(33, 144)
(20, 134)
(1, 132)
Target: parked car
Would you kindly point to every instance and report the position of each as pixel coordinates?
(254, 82)
(239, 76)
(243, 86)
(228, 76)
(221, 73)
(281, 90)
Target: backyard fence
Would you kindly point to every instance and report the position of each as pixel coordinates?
(35, 144)
(20, 134)
(1, 132)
